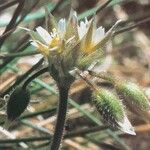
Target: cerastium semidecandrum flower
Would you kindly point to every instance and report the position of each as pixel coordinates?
(70, 44)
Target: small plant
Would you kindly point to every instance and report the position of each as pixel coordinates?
(70, 47)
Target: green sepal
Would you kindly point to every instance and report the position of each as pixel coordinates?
(112, 111)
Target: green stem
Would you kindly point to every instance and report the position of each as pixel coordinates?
(62, 110)
(18, 54)
(132, 26)
(29, 139)
(34, 76)
(103, 6)
(83, 132)
(51, 112)
(23, 77)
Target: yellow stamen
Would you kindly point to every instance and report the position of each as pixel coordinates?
(54, 42)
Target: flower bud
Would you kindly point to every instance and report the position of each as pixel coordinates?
(17, 103)
(112, 111)
(134, 98)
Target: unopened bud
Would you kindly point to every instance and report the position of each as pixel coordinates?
(17, 103)
(134, 98)
(111, 109)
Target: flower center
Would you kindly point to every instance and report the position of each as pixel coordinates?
(56, 40)
(43, 49)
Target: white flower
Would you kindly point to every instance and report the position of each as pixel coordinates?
(83, 28)
(94, 38)
(77, 43)
(50, 41)
(91, 35)
(97, 34)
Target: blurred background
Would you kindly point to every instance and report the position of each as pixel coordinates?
(129, 59)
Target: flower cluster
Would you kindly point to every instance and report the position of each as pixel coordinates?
(71, 43)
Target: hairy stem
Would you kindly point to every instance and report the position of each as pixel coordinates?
(62, 110)
(18, 54)
(130, 27)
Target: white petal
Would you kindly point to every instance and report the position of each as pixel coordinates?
(34, 44)
(62, 26)
(44, 34)
(86, 22)
(74, 13)
(74, 19)
(126, 126)
(98, 34)
(82, 29)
